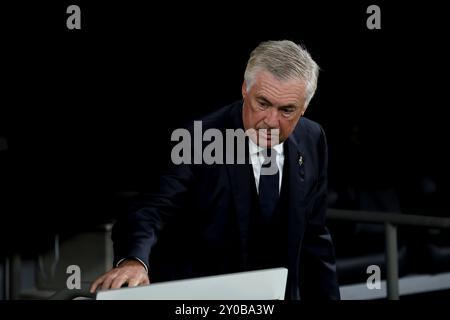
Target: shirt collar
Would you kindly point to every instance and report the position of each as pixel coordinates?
(254, 148)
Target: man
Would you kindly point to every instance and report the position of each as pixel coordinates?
(219, 218)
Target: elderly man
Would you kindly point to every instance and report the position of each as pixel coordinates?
(219, 218)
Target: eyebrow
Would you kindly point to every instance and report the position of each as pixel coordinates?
(264, 99)
(290, 106)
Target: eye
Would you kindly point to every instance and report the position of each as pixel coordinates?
(263, 105)
(287, 112)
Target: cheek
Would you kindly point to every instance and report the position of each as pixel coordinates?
(286, 128)
(255, 117)
(259, 121)
(250, 117)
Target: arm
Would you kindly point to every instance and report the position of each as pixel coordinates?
(135, 234)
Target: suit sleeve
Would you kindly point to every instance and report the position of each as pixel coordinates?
(135, 233)
(318, 277)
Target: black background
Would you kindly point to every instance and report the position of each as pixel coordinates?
(88, 113)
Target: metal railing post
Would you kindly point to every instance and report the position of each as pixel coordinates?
(12, 277)
(391, 220)
(391, 261)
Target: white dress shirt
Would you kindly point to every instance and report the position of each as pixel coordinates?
(257, 160)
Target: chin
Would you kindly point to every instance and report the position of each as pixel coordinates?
(268, 143)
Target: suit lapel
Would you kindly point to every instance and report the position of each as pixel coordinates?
(242, 190)
(242, 185)
(295, 179)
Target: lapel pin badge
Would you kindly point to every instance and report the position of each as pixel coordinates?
(300, 160)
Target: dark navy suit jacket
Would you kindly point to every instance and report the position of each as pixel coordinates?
(197, 222)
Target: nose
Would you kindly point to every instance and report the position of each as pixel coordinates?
(272, 118)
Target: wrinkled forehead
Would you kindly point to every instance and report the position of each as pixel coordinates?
(279, 92)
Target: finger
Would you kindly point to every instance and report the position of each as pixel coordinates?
(134, 282)
(142, 279)
(96, 283)
(108, 280)
(119, 281)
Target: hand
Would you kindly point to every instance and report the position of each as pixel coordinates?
(129, 272)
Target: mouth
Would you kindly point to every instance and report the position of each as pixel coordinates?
(269, 137)
(268, 133)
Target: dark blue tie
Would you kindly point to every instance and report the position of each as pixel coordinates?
(269, 185)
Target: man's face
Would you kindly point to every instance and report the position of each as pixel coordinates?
(272, 104)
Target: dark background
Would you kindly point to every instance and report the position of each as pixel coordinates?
(88, 113)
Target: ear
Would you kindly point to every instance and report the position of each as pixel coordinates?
(244, 89)
(304, 109)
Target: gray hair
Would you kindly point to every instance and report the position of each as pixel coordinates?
(285, 60)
